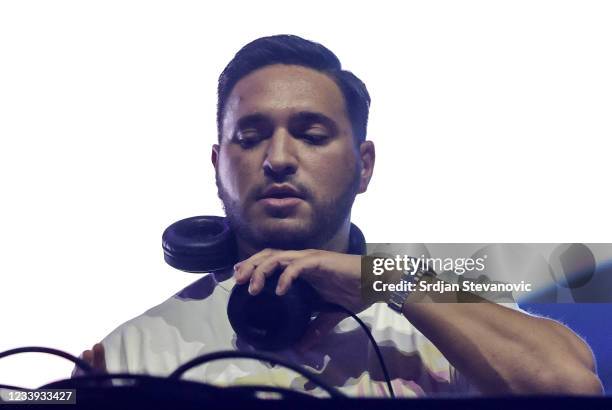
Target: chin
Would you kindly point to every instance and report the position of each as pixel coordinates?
(282, 233)
(271, 226)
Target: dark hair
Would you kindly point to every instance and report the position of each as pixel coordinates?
(290, 49)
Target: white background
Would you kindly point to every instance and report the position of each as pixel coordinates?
(492, 122)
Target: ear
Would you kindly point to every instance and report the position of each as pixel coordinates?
(214, 155)
(367, 156)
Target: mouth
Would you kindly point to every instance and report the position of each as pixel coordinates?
(281, 202)
(281, 196)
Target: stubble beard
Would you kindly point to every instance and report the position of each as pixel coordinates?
(326, 219)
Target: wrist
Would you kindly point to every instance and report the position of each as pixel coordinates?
(407, 288)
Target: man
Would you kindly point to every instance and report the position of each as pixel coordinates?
(291, 157)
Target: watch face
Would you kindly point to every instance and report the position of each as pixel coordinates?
(398, 297)
(396, 302)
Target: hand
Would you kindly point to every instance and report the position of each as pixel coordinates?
(95, 358)
(335, 276)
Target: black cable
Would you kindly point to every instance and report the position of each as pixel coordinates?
(250, 388)
(100, 377)
(106, 380)
(83, 381)
(332, 391)
(82, 364)
(237, 392)
(334, 307)
(232, 354)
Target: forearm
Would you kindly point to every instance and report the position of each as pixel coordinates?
(503, 351)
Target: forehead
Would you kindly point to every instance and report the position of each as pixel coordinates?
(280, 90)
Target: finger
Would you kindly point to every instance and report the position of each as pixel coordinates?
(318, 328)
(265, 270)
(244, 269)
(258, 280)
(294, 270)
(88, 357)
(99, 361)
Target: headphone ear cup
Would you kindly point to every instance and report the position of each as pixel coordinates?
(270, 322)
(357, 242)
(200, 244)
(203, 244)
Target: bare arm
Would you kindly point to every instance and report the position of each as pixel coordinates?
(500, 350)
(503, 351)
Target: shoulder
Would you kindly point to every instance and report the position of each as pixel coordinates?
(169, 328)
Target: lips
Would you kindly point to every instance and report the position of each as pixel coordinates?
(281, 191)
(278, 198)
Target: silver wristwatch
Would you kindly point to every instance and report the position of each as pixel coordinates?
(398, 298)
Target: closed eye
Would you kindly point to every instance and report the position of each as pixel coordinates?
(314, 128)
(316, 138)
(248, 138)
(252, 129)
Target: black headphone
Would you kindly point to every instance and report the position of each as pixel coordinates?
(266, 321)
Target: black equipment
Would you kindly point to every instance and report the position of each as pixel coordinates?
(265, 321)
(144, 391)
(206, 244)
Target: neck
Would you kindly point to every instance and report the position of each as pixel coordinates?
(339, 242)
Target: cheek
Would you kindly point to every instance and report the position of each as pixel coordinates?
(236, 175)
(334, 172)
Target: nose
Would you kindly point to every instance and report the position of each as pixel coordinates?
(280, 158)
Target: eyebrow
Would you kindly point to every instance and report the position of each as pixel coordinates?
(251, 119)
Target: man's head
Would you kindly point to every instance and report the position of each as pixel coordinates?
(292, 153)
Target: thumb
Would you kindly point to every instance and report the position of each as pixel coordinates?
(319, 328)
